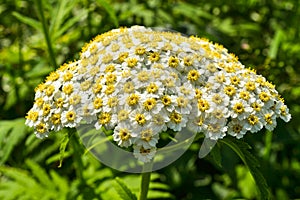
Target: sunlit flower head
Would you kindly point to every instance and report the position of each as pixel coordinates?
(139, 83)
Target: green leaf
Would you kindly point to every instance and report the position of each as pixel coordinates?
(29, 21)
(63, 144)
(11, 133)
(215, 154)
(40, 174)
(68, 24)
(279, 35)
(124, 192)
(110, 11)
(241, 149)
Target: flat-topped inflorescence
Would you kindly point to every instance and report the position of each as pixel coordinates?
(139, 83)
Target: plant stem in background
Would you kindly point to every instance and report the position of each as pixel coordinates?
(40, 11)
(145, 181)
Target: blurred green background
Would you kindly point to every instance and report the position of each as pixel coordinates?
(264, 34)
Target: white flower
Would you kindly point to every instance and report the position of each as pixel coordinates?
(139, 83)
(236, 128)
(70, 118)
(142, 154)
(147, 138)
(124, 135)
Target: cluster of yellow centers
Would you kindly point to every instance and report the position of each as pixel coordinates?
(139, 83)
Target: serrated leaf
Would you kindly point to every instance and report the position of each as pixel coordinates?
(241, 149)
(60, 183)
(29, 21)
(63, 145)
(11, 133)
(124, 192)
(40, 174)
(110, 11)
(216, 156)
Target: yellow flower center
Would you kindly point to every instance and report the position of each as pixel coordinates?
(98, 103)
(131, 62)
(244, 95)
(193, 75)
(74, 100)
(132, 99)
(123, 115)
(41, 128)
(256, 106)
(110, 78)
(268, 118)
(149, 104)
(140, 50)
(166, 100)
(173, 62)
(198, 93)
(146, 135)
(106, 58)
(128, 87)
(97, 88)
(175, 117)
(67, 76)
(104, 118)
(32, 115)
(55, 118)
(182, 102)
(123, 56)
(124, 134)
(239, 108)
(237, 128)
(53, 76)
(112, 102)
(110, 89)
(235, 80)
(49, 90)
(143, 76)
(152, 88)
(264, 96)
(229, 90)
(71, 115)
(250, 86)
(140, 119)
(252, 120)
(39, 102)
(46, 109)
(203, 105)
(59, 102)
(188, 61)
(110, 68)
(68, 89)
(217, 99)
(153, 57)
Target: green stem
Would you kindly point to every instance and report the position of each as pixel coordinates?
(46, 33)
(145, 181)
(74, 140)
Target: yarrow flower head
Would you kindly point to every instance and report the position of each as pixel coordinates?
(139, 83)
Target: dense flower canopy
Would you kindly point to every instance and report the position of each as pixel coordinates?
(139, 83)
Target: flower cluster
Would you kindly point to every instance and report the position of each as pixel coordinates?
(139, 83)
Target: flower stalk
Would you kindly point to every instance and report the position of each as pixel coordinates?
(145, 182)
(46, 32)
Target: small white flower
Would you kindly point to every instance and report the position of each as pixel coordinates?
(142, 154)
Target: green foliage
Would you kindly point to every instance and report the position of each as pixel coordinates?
(263, 34)
(123, 191)
(241, 148)
(20, 184)
(12, 132)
